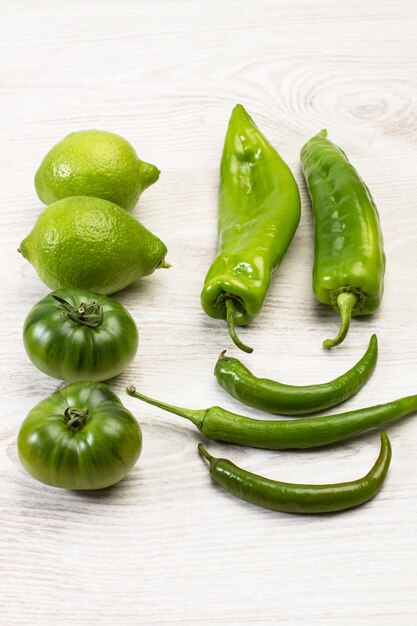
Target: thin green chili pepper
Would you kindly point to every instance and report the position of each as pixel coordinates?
(305, 432)
(297, 498)
(259, 211)
(349, 262)
(275, 397)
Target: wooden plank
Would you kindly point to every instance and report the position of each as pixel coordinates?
(167, 546)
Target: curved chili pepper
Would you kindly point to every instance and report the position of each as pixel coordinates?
(305, 432)
(349, 262)
(275, 397)
(295, 498)
(259, 211)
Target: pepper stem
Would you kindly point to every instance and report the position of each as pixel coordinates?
(222, 357)
(204, 454)
(346, 302)
(230, 318)
(195, 416)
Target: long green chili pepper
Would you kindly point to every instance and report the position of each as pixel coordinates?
(306, 432)
(295, 498)
(259, 211)
(275, 397)
(349, 262)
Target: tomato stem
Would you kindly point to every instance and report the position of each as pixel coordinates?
(87, 314)
(75, 418)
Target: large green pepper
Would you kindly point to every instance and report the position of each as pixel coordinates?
(349, 260)
(259, 211)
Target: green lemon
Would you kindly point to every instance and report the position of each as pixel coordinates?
(93, 244)
(94, 163)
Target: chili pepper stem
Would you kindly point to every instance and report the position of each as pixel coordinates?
(195, 416)
(346, 302)
(221, 358)
(230, 318)
(205, 454)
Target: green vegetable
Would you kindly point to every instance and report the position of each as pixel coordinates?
(308, 432)
(294, 498)
(74, 334)
(349, 260)
(275, 397)
(259, 212)
(80, 437)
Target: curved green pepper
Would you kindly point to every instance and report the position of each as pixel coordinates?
(305, 432)
(275, 397)
(296, 498)
(349, 260)
(259, 211)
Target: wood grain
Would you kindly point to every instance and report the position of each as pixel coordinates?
(167, 546)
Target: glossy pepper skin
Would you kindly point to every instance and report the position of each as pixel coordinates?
(305, 432)
(349, 261)
(298, 498)
(259, 211)
(275, 397)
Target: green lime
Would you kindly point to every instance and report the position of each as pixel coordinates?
(94, 163)
(93, 244)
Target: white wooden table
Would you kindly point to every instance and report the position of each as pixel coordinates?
(167, 546)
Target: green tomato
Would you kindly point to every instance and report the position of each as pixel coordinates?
(80, 437)
(74, 334)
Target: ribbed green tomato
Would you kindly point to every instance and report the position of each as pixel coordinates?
(74, 334)
(80, 437)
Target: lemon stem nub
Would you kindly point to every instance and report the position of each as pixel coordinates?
(149, 174)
